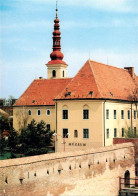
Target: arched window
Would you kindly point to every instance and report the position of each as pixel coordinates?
(63, 74)
(127, 179)
(53, 73)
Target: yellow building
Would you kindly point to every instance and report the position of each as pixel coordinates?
(96, 106)
(86, 111)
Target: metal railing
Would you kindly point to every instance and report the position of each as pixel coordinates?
(128, 183)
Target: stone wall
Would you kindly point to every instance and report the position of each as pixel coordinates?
(135, 142)
(91, 172)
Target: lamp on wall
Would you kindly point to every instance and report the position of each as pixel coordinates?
(68, 134)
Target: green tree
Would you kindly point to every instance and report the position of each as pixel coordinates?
(12, 139)
(35, 138)
(131, 133)
(3, 143)
(4, 126)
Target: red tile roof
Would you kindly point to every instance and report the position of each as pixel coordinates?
(99, 81)
(42, 92)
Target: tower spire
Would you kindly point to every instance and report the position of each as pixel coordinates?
(56, 56)
(56, 68)
(56, 8)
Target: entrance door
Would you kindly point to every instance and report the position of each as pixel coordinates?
(127, 179)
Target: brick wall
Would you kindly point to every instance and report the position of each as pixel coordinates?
(70, 173)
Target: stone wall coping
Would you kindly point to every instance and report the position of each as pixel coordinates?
(60, 155)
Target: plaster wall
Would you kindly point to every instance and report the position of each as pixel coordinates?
(21, 116)
(75, 121)
(91, 172)
(59, 71)
(118, 123)
(97, 123)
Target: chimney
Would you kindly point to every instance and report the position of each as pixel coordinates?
(40, 78)
(130, 70)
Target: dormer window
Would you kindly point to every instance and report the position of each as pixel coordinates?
(54, 73)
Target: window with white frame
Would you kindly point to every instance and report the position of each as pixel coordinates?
(107, 114)
(115, 132)
(123, 132)
(48, 126)
(48, 112)
(107, 133)
(122, 114)
(65, 133)
(65, 114)
(115, 113)
(135, 131)
(85, 133)
(75, 133)
(128, 114)
(85, 114)
(38, 112)
(135, 114)
(29, 112)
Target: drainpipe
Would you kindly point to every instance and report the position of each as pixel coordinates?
(56, 130)
(104, 120)
(131, 118)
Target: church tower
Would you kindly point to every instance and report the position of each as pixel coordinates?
(56, 68)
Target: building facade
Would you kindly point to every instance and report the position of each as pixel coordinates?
(86, 111)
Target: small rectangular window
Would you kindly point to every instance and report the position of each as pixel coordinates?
(135, 114)
(85, 114)
(85, 133)
(29, 112)
(122, 114)
(75, 133)
(65, 114)
(48, 126)
(107, 133)
(135, 131)
(48, 112)
(107, 114)
(115, 132)
(114, 114)
(122, 132)
(65, 133)
(39, 112)
(128, 113)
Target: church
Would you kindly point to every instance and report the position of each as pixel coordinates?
(85, 111)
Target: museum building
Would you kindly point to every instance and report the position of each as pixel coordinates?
(85, 111)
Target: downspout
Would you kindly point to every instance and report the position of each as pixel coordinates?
(56, 130)
(131, 117)
(104, 120)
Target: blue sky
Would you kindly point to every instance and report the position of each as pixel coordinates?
(102, 30)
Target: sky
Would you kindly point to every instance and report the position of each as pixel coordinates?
(105, 31)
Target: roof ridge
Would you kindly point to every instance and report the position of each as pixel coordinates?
(70, 81)
(95, 78)
(109, 65)
(52, 79)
